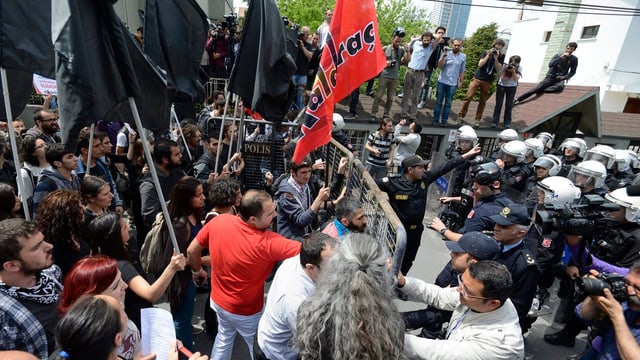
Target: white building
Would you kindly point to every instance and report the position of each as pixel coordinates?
(607, 47)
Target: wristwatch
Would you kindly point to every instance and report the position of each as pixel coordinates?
(442, 231)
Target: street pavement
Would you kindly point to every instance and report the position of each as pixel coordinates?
(431, 257)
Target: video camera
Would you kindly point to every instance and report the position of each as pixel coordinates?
(399, 31)
(591, 217)
(231, 22)
(614, 282)
(444, 42)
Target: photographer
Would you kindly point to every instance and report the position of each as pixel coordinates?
(218, 47)
(303, 56)
(622, 339)
(561, 68)
(489, 65)
(507, 86)
(396, 56)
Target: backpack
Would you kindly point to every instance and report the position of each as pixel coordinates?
(152, 252)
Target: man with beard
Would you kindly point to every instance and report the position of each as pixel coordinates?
(46, 127)
(349, 217)
(167, 157)
(452, 66)
(622, 340)
(30, 286)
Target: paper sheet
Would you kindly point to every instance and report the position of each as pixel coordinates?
(157, 332)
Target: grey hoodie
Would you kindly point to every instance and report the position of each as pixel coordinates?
(50, 180)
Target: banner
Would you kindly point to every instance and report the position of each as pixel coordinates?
(352, 55)
(44, 85)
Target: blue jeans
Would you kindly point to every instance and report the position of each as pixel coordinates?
(443, 92)
(300, 81)
(182, 317)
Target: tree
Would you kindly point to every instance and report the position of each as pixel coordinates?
(473, 48)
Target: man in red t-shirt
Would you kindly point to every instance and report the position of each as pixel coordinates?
(244, 251)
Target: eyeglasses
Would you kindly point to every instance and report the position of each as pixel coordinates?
(464, 292)
(49, 120)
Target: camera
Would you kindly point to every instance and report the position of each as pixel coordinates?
(399, 31)
(494, 51)
(446, 48)
(511, 67)
(614, 282)
(392, 63)
(285, 20)
(591, 217)
(444, 42)
(231, 23)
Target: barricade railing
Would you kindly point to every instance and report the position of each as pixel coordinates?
(382, 222)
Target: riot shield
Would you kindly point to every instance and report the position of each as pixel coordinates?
(439, 188)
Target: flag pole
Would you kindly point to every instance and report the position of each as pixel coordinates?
(224, 116)
(14, 146)
(184, 141)
(87, 170)
(154, 173)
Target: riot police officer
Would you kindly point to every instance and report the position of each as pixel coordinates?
(573, 151)
(487, 180)
(504, 137)
(515, 171)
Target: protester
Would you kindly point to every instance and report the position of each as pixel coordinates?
(9, 202)
(60, 175)
(353, 297)
(185, 208)
(109, 234)
(99, 275)
(59, 218)
(34, 161)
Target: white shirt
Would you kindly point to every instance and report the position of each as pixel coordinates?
(323, 30)
(408, 145)
(290, 287)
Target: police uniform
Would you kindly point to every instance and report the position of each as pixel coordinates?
(479, 218)
(409, 200)
(521, 263)
(515, 177)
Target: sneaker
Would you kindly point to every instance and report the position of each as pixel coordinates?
(373, 119)
(476, 123)
(400, 95)
(535, 307)
(435, 123)
(494, 125)
(506, 126)
(443, 125)
(354, 115)
(421, 105)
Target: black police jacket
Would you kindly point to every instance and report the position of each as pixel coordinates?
(409, 199)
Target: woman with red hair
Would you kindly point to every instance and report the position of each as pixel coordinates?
(99, 275)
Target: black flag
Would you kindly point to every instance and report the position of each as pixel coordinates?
(261, 75)
(175, 34)
(154, 100)
(93, 67)
(25, 48)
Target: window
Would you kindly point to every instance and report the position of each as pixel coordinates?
(546, 36)
(590, 32)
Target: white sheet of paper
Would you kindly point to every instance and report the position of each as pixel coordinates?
(157, 332)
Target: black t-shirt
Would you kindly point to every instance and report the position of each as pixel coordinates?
(132, 302)
(488, 71)
(301, 61)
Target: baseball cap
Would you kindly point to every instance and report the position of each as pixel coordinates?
(413, 160)
(514, 214)
(476, 244)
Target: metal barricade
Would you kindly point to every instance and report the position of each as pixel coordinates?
(215, 84)
(382, 222)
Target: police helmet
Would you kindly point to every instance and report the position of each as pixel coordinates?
(588, 173)
(634, 158)
(604, 154)
(486, 174)
(515, 148)
(558, 191)
(508, 135)
(630, 203)
(549, 162)
(338, 122)
(546, 138)
(467, 135)
(578, 145)
(623, 160)
(535, 147)
(465, 128)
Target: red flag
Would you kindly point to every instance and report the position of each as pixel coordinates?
(352, 55)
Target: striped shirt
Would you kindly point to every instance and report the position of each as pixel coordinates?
(381, 143)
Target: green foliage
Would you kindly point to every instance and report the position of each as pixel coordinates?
(473, 48)
(305, 13)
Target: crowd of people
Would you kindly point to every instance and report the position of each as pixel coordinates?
(73, 284)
